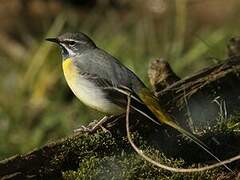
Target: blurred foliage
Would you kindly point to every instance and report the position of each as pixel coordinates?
(35, 103)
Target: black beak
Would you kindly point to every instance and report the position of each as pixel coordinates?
(55, 40)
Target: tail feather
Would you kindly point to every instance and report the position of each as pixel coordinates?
(152, 103)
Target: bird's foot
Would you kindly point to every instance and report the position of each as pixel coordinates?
(93, 126)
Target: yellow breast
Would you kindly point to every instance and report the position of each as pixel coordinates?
(87, 91)
(69, 70)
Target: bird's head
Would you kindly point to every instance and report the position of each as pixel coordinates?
(73, 44)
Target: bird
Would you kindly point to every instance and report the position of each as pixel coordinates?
(102, 82)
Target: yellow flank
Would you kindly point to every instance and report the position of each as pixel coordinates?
(87, 91)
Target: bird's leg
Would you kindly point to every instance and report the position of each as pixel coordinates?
(116, 119)
(93, 126)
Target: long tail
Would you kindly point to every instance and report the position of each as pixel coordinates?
(152, 103)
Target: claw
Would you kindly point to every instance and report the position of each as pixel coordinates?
(92, 127)
(82, 129)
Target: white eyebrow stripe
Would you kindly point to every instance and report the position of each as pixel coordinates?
(74, 40)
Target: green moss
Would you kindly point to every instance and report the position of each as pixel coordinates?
(131, 166)
(109, 156)
(119, 161)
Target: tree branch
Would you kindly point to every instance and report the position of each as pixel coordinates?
(192, 98)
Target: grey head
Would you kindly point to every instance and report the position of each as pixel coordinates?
(73, 44)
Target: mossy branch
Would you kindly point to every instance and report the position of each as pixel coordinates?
(185, 99)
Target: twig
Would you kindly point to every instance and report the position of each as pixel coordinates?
(181, 170)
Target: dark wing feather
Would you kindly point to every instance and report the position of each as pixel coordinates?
(116, 94)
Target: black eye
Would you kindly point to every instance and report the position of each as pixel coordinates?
(71, 43)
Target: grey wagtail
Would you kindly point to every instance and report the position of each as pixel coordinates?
(100, 81)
